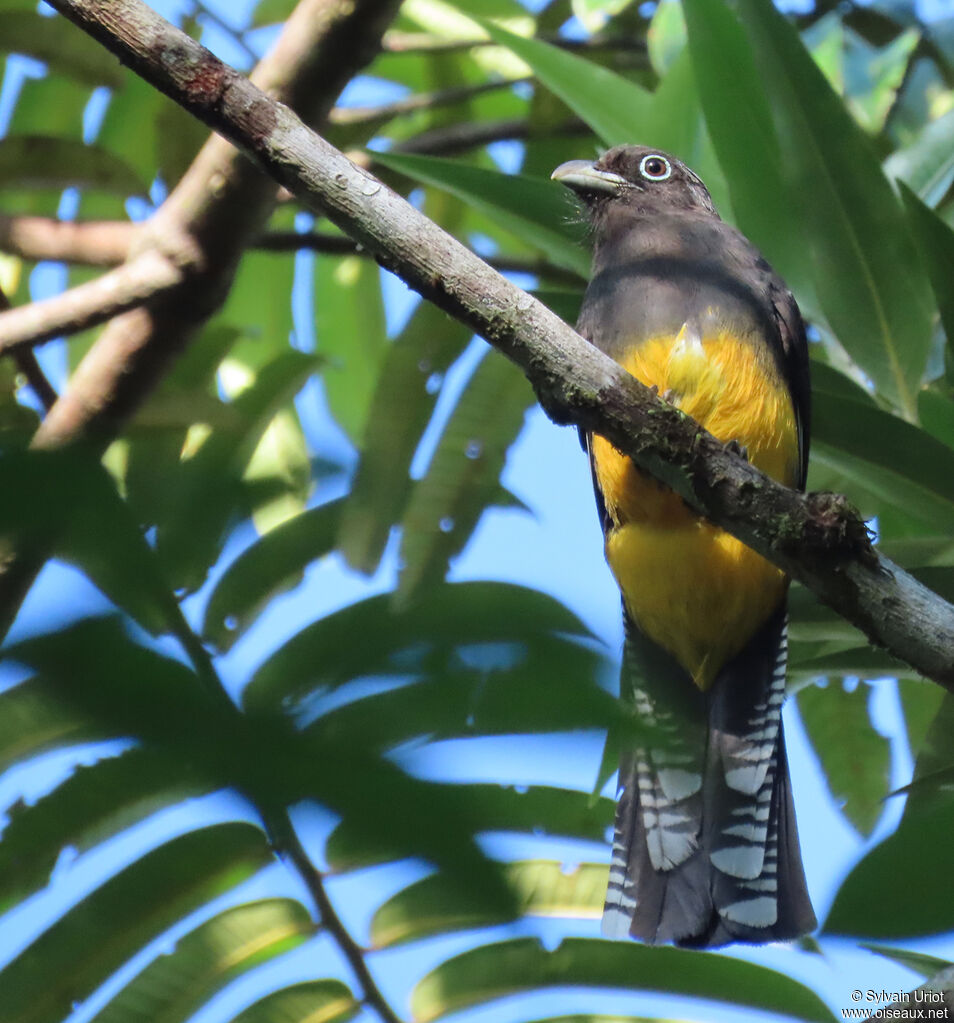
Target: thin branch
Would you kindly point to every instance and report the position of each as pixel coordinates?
(89, 243)
(35, 377)
(220, 205)
(91, 303)
(341, 245)
(215, 211)
(458, 138)
(424, 42)
(203, 9)
(286, 841)
(281, 829)
(816, 538)
(416, 102)
(106, 244)
(30, 368)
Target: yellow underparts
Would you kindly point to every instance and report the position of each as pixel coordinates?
(694, 589)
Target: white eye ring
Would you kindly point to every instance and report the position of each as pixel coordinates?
(655, 177)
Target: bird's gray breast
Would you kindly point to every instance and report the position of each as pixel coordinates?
(652, 276)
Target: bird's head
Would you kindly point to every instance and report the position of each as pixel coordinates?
(637, 178)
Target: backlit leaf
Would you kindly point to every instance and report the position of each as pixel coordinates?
(511, 967)
(856, 759)
(869, 281)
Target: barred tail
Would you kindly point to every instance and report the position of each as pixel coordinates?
(705, 848)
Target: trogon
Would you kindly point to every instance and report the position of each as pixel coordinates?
(706, 848)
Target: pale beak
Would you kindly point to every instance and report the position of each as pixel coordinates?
(583, 176)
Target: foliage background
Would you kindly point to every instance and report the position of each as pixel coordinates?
(347, 498)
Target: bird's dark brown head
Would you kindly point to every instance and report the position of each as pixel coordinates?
(646, 181)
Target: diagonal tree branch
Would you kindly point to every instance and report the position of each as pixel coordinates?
(219, 206)
(144, 278)
(30, 368)
(221, 203)
(281, 830)
(816, 538)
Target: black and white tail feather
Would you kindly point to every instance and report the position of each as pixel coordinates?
(705, 849)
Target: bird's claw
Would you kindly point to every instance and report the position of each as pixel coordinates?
(735, 448)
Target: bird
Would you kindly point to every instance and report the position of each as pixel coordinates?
(705, 849)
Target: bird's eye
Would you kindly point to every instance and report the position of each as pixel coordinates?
(655, 167)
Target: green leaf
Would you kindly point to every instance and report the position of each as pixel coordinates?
(927, 966)
(533, 209)
(869, 280)
(814, 622)
(935, 240)
(266, 326)
(325, 654)
(565, 302)
(50, 107)
(669, 118)
(905, 465)
(927, 165)
(38, 162)
(551, 685)
(174, 986)
(537, 810)
(407, 390)
(66, 500)
(936, 414)
(920, 849)
(56, 42)
(584, 87)
(873, 76)
(93, 804)
(462, 479)
(864, 662)
(204, 503)
(313, 1001)
(855, 758)
(542, 887)
(77, 953)
(33, 720)
(921, 701)
(138, 692)
(352, 336)
(739, 118)
(272, 565)
(512, 967)
(666, 37)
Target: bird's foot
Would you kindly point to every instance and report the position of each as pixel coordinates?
(735, 448)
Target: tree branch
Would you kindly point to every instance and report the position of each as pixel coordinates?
(338, 245)
(816, 538)
(424, 42)
(29, 367)
(41, 238)
(90, 243)
(219, 206)
(458, 138)
(88, 305)
(416, 102)
(281, 829)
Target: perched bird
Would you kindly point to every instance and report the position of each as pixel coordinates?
(706, 847)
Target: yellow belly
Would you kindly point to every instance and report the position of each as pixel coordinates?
(691, 587)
